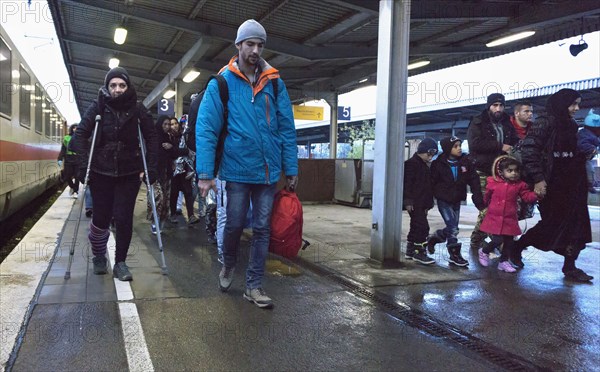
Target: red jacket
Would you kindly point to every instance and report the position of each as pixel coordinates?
(501, 217)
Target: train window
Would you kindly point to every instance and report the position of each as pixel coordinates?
(47, 110)
(38, 108)
(25, 89)
(6, 86)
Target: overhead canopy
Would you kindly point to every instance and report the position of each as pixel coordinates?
(319, 46)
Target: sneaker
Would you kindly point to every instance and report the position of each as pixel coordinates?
(225, 278)
(259, 297)
(75, 195)
(506, 267)
(578, 275)
(100, 265)
(153, 229)
(173, 219)
(121, 272)
(88, 213)
(484, 258)
(179, 212)
(193, 220)
(220, 258)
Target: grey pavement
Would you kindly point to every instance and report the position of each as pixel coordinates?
(334, 307)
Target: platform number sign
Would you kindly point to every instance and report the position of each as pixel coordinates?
(166, 107)
(344, 113)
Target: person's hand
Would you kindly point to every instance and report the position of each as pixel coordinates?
(506, 148)
(60, 162)
(540, 189)
(205, 185)
(152, 175)
(167, 146)
(291, 183)
(410, 208)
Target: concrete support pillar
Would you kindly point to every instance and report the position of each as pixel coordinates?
(333, 124)
(390, 129)
(179, 93)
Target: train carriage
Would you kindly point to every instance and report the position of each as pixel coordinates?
(31, 131)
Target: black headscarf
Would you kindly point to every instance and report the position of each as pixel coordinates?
(163, 137)
(558, 103)
(557, 107)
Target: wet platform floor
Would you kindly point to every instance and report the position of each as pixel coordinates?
(334, 307)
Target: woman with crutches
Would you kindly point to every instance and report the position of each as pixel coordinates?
(117, 168)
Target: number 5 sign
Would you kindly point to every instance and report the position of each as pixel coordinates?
(344, 113)
(166, 107)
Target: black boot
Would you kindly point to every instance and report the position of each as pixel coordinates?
(455, 256)
(516, 257)
(434, 239)
(410, 250)
(421, 254)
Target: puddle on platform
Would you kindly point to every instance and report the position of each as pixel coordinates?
(277, 267)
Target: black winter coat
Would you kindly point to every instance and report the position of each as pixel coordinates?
(454, 191)
(117, 151)
(484, 147)
(418, 187)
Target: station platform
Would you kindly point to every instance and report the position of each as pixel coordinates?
(335, 308)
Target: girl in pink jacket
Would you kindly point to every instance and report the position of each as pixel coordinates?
(501, 221)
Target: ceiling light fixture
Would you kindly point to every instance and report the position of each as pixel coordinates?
(510, 39)
(363, 80)
(120, 35)
(113, 62)
(190, 76)
(169, 94)
(2, 57)
(412, 66)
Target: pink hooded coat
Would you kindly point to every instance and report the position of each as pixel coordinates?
(501, 217)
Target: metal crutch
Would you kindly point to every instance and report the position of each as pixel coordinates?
(153, 203)
(85, 186)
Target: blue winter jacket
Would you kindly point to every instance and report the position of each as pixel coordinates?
(261, 140)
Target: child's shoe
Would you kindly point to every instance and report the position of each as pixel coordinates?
(484, 258)
(506, 267)
(421, 254)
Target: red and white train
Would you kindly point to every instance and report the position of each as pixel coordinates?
(31, 131)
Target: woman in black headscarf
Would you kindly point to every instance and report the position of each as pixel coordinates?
(557, 170)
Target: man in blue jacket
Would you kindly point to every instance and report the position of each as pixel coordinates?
(259, 146)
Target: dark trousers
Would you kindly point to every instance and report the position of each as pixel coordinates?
(69, 174)
(179, 183)
(419, 226)
(507, 243)
(115, 197)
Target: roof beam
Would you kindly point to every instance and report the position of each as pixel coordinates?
(134, 73)
(341, 27)
(189, 59)
(227, 33)
(129, 49)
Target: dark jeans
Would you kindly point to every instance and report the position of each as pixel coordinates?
(238, 202)
(450, 214)
(419, 226)
(179, 183)
(507, 243)
(69, 174)
(115, 197)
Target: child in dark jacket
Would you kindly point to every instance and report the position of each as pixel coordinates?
(501, 220)
(418, 200)
(451, 172)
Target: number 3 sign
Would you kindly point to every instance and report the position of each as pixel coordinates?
(166, 107)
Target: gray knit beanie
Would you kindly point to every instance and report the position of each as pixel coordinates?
(250, 30)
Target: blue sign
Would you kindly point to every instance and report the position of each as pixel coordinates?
(344, 113)
(166, 107)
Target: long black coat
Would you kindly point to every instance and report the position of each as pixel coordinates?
(418, 187)
(484, 147)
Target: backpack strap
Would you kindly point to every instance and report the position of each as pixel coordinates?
(275, 83)
(224, 94)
